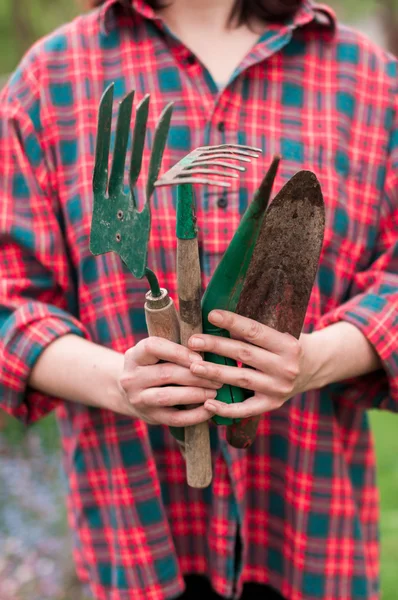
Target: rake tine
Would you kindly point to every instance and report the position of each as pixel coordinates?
(224, 155)
(203, 171)
(219, 163)
(100, 175)
(230, 153)
(181, 179)
(141, 118)
(121, 141)
(159, 143)
(226, 146)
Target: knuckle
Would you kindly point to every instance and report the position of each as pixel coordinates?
(245, 353)
(216, 373)
(293, 346)
(125, 381)
(285, 390)
(149, 345)
(229, 319)
(254, 330)
(181, 354)
(163, 397)
(129, 354)
(134, 400)
(244, 381)
(165, 374)
(292, 371)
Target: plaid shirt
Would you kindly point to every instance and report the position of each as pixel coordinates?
(304, 495)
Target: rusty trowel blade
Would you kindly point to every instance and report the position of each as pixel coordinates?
(282, 270)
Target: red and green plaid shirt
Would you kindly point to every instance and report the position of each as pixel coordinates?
(304, 495)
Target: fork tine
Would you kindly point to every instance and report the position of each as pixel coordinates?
(100, 175)
(121, 141)
(141, 119)
(180, 179)
(219, 163)
(159, 143)
(202, 170)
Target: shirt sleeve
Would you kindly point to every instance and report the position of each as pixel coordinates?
(36, 290)
(373, 307)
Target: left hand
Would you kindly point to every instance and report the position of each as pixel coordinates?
(280, 365)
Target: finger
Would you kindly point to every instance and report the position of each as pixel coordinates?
(251, 331)
(248, 379)
(173, 417)
(153, 349)
(176, 396)
(241, 410)
(247, 354)
(165, 375)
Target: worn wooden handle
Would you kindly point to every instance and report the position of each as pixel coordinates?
(162, 321)
(161, 317)
(197, 438)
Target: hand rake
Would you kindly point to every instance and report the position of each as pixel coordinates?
(200, 166)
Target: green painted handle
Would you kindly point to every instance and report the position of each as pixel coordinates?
(228, 393)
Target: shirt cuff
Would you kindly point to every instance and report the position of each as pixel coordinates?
(376, 317)
(25, 334)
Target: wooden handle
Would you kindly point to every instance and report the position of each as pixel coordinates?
(197, 438)
(161, 317)
(162, 321)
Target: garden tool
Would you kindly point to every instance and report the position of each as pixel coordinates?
(226, 285)
(117, 224)
(282, 270)
(200, 166)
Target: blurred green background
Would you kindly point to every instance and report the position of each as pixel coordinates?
(35, 561)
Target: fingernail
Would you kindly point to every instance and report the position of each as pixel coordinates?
(211, 406)
(211, 394)
(196, 342)
(195, 357)
(215, 316)
(199, 369)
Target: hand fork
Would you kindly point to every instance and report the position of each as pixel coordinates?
(117, 224)
(200, 166)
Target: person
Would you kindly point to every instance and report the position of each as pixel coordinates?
(296, 515)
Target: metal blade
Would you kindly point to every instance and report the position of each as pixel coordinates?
(100, 175)
(121, 141)
(159, 143)
(226, 285)
(282, 271)
(137, 151)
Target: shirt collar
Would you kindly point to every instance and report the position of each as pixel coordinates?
(319, 15)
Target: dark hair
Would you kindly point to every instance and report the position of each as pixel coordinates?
(243, 10)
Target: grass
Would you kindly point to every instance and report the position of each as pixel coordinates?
(385, 427)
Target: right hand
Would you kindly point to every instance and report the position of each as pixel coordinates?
(150, 389)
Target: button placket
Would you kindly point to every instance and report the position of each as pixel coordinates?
(223, 201)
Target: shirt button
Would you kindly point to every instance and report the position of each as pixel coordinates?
(222, 202)
(221, 126)
(190, 60)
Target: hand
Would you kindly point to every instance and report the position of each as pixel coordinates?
(147, 386)
(279, 366)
